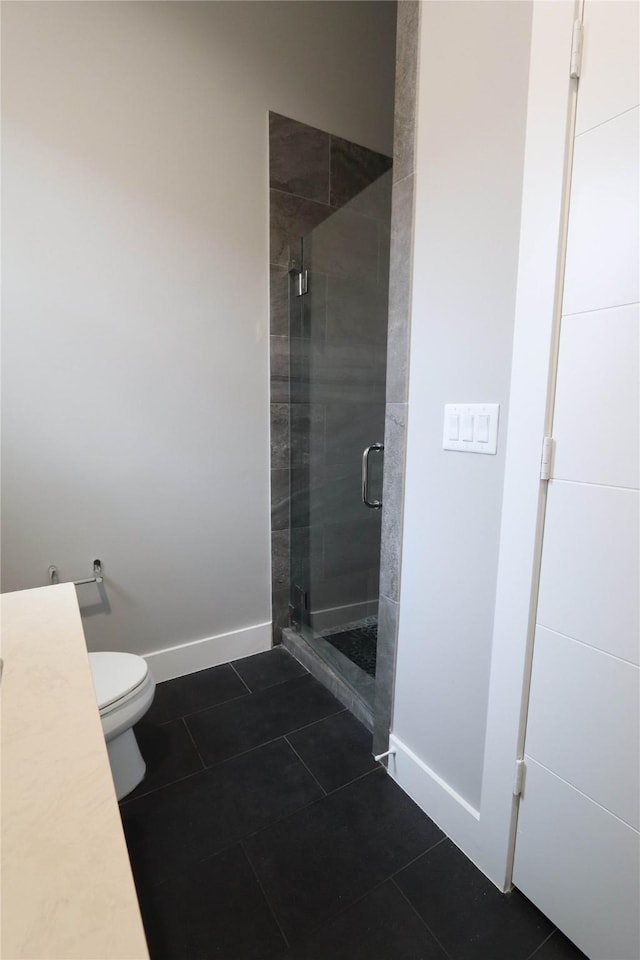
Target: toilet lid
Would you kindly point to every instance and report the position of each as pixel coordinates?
(115, 675)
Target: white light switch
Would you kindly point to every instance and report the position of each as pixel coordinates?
(475, 430)
(454, 427)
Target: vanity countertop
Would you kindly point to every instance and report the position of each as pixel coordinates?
(67, 887)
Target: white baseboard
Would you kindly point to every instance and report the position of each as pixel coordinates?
(199, 654)
(453, 814)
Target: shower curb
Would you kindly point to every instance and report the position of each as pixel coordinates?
(304, 654)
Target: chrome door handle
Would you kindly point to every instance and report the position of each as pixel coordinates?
(377, 448)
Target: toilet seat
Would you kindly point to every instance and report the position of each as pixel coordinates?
(116, 676)
(124, 689)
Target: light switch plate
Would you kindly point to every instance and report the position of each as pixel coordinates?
(477, 421)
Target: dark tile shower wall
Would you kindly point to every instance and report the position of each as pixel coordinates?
(312, 174)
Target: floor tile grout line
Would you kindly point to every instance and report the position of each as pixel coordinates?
(195, 745)
(188, 865)
(236, 756)
(407, 865)
(264, 894)
(272, 686)
(421, 854)
(331, 793)
(241, 679)
(360, 776)
(192, 713)
(305, 726)
(205, 768)
(241, 841)
(313, 929)
(243, 753)
(265, 743)
(363, 895)
(171, 783)
(127, 800)
(213, 706)
(304, 806)
(421, 919)
(307, 768)
(242, 696)
(541, 945)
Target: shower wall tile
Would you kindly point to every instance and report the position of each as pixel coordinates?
(347, 247)
(373, 581)
(307, 433)
(278, 301)
(392, 498)
(349, 547)
(307, 550)
(349, 429)
(279, 360)
(375, 200)
(400, 291)
(290, 217)
(280, 453)
(338, 373)
(299, 158)
(357, 310)
(299, 367)
(329, 495)
(280, 611)
(301, 480)
(352, 169)
(280, 499)
(280, 558)
(404, 131)
(385, 672)
(341, 591)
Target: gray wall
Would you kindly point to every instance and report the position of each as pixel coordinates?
(327, 354)
(135, 310)
(469, 167)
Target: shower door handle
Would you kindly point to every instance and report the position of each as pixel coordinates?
(378, 448)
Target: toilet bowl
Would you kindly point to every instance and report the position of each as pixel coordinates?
(124, 690)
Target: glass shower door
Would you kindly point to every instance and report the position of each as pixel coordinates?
(338, 332)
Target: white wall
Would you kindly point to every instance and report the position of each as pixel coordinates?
(472, 98)
(135, 310)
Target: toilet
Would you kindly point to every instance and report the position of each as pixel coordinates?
(124, 690)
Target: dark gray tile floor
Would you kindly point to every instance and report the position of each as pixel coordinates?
(264, 830)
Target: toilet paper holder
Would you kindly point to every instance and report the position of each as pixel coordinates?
(96, 578)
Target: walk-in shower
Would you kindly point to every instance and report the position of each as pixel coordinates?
(338, 310)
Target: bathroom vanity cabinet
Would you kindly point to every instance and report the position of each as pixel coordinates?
(67, 887)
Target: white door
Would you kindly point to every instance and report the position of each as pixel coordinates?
(577, 850)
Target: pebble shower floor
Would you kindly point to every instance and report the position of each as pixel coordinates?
(357, 641)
